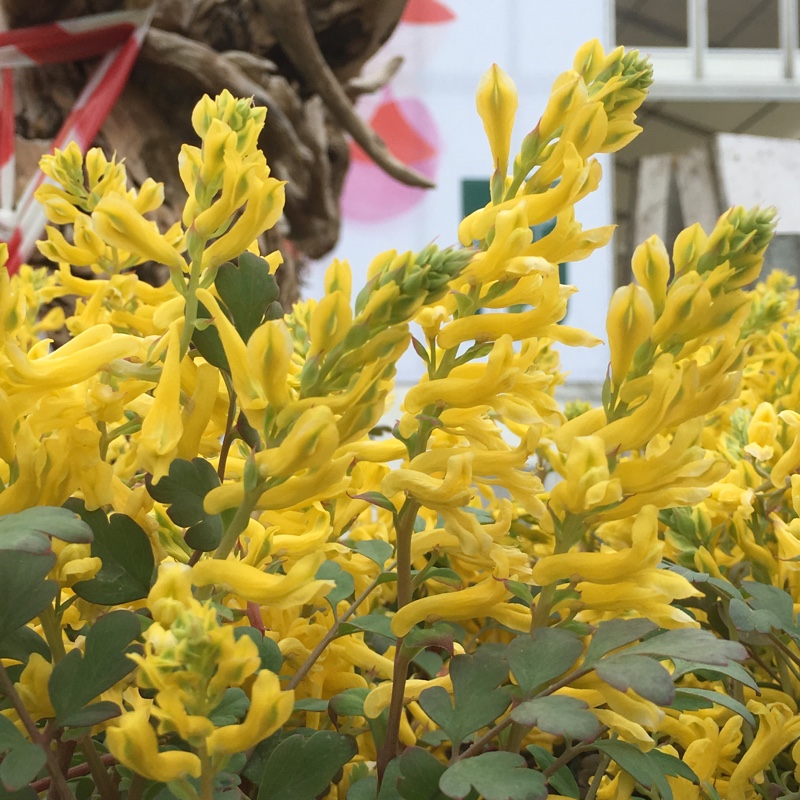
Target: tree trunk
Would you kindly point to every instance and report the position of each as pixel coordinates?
(301, 60)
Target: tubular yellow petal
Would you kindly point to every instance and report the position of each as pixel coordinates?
(249, 391)
(476, 601)
(269, 354)
(497, 101)
(163, 427)
(380, 697)
(133, 743)
(269, 709)
(120, 225)
(279, 591)
(607, 568)
(629, 323)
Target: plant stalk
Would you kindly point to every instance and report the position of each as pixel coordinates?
(56, 775)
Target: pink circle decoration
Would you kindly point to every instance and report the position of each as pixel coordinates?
(409, 130)
(426, 12)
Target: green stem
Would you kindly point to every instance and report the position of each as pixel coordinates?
(56, 775)
(240, 521)
(102, 780)
(195, 247)
(605, 760)
(404, 531)
(206, 777)
(137, 787)
(541, 611)
(227, 439)
(51, 627)
(305, 667)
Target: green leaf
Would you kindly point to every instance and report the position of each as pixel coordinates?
(710, 698)
(616, 633)
(520, 590)
(184, 489)
(770, 599)
(29, 531)
(691, 644)
(80, 677)
(561, 716)
(563, 781)
(24, 590)
(126, 555)
(208, 343)
(376, 499)
(268, 650)
(231, 709)
(374, 623)
(247, 291)
(344, 588)
(21, 760)
(495, 776)
(91, 715)
(391, 778)
(746, 619)
(311, 704)
(731, 670)
(375, 549)
(302, 769)
(349, 703)
(538, 660)
(21, 765)
(419, 775)
(646, 676)
(363, 789)
(445, 575)
(440, 634)
(19, 645)
(476, 699)
(649, 769)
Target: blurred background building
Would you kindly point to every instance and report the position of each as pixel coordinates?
(727, 75)
(721, 125)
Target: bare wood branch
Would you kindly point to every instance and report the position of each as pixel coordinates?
(212, 70)
(296, 36)
(368, 84)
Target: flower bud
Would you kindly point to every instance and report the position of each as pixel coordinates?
(496, 101)
(629, 324)
(650, 266)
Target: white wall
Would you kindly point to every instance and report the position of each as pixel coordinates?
(533, 41)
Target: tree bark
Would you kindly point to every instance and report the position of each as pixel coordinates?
(202, 46)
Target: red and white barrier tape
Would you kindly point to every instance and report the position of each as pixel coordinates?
(120, 36)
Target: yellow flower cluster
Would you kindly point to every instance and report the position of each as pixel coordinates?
(236, 447)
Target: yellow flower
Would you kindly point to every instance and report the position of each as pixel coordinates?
(778, 726)
(311, 441)
(163, 426)
(454, 490)
(117, 221)
(762, 433)
(269, 709)
(587, 480)
(790, 460)
(496, 101)
(294, 588)
(604, 567)
(629, 324)
(132, 741)
(32, 687)
(380, 697)
(476, 601)
(651, 268)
